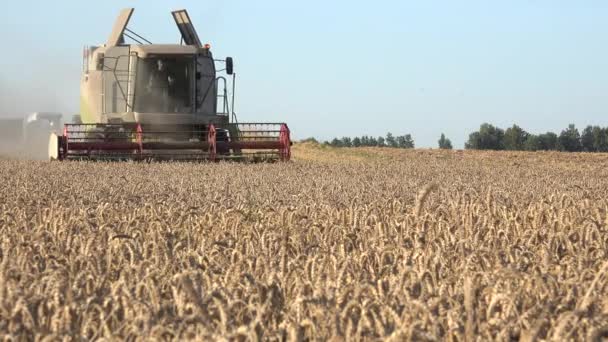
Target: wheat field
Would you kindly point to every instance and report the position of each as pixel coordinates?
(340, 244)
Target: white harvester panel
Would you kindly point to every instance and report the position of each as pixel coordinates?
(184, 24)
(116, 37)
(117, 80)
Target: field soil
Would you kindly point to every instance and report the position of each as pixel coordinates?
(341, 244)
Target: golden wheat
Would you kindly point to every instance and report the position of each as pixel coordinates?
(349, 244)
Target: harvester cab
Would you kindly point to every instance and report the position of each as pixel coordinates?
(163, 102)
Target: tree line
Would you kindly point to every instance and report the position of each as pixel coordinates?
(401, 141)
(489, 137)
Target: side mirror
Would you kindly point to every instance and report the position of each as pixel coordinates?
(229, 66)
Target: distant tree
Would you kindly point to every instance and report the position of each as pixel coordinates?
(514, 138)
(373, 141)
(548, 142)
(356, 142)
(474, 142)
(603, 141)
(336, 142)
(532, 143)
(587, 140)
(492, 138)
(347, 142)
(600, 139)
(310, 140)
(570, 139)
(401, 141)
(381, 142)
(405, 141)
(487, 138)
(409, 141)
(390, 140)
(444, 143)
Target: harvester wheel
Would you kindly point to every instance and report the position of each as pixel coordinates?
(54, 147)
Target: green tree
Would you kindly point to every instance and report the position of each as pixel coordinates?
(474, 142)
(409, 141)
(401, 141)
(356, 142)
(336, 142)
(514, 138)
(405, 141)
(532, 143)
(381, 142)
(346, 142)
(390, 140)
(600, 139)
(372, 141)
(570, 139)
(587, 140)
(444, 143)
(487, 138)
(492, 138)
(548, 142)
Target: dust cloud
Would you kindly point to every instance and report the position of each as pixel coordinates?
(30, 90)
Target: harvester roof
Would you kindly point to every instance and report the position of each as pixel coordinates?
(165, 49)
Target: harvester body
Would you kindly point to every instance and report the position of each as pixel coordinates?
(163, 101)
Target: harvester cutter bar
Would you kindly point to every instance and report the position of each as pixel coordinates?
(246, 141)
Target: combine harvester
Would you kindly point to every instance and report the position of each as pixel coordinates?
(149, 101)
(27, 137)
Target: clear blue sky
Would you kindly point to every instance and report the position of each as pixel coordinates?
(334, 68)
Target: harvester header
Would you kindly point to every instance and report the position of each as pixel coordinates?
(148, 101)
